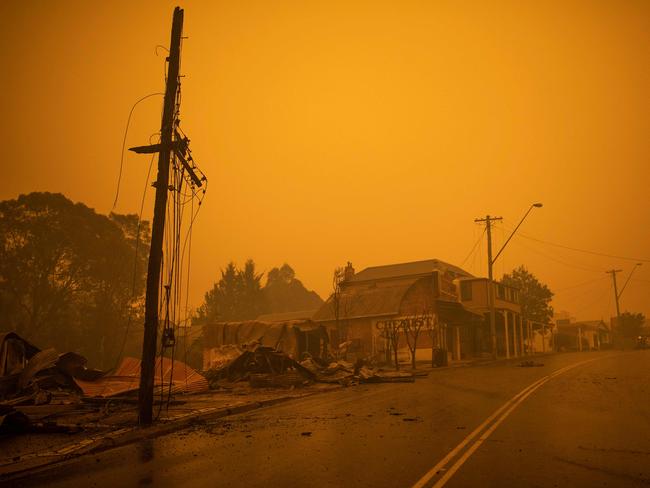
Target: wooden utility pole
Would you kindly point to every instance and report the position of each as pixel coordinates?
(616, 294)
(149, 345)
(493, 330)
(488, 227)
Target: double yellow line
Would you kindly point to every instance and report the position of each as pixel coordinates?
(484, 431)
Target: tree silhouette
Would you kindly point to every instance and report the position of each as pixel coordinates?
(630, 324)
(534, 296)
(236, 296)
(69, 277)
(283, 292)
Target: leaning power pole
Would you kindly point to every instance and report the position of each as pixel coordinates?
(616, 294)
(493, 329)
(145, 394)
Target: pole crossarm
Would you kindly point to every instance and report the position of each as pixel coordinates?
(179, 146)
(488, 218)
(154, 148)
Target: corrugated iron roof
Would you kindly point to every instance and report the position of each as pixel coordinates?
(127, 378)
(415, 268)
(383, 301)
(369, 302)
(284, 316)
(267, 333)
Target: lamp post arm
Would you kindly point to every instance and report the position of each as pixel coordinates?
(627, 281)
(512, 234)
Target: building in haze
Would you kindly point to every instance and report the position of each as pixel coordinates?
(514, 334)
(582, 335)
(454, 301)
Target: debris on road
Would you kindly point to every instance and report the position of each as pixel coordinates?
(346, 373)
(530, 364)
(379, 376)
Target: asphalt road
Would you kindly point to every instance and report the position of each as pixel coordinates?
(583, 419)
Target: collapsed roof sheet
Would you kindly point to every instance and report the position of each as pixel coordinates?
(127, 378)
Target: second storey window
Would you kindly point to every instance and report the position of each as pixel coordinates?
(501, 292)
(465, 290)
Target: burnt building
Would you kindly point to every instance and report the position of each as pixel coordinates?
(379, 296)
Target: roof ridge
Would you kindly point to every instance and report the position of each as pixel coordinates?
(408, 262)
(411, 268)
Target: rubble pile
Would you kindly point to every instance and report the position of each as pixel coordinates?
(346, 373)
(39, 388)
(36, 386)
(262, 366)
(30, 376)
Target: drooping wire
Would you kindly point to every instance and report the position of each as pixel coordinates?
(577, 285)
(559, 261)
(473, 249)
(187, 295)
(595, 253)
(135, 260)
(126, 131)
(592, 303)
(499, 225)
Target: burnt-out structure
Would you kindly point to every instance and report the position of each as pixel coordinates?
(382, 297)
(296, 338)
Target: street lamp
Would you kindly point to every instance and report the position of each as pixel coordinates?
(628, 279)
(534, 205)
(493, 332)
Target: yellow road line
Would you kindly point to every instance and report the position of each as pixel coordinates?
(433, 471)
(504, 411)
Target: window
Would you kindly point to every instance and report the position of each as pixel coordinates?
(501, 292)
(465, 290)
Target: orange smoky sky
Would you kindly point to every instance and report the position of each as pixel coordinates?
(372, 132)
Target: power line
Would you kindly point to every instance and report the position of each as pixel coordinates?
(595, 253)
(580, 284)
(590, 304)
(126, 131)
(478, 241)
(593, 270)
(609, 302)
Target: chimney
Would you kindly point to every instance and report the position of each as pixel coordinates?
(349, 272)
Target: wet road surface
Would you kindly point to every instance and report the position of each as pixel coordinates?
(588, 426)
